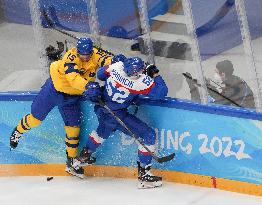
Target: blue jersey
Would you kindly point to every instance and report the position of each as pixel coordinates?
(121, 90)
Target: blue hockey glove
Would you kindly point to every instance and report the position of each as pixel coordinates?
(93, 91)
(92, 84)
(151, 70)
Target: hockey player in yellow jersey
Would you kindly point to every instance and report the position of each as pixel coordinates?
(70, 77)
(71, 74)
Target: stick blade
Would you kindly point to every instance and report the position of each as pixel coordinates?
(166, 158)
(187, 75)
(184, 74)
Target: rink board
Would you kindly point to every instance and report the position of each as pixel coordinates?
(215, 146)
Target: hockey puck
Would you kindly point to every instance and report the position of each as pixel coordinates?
(49, 178)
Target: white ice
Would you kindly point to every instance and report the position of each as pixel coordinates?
(102, 191)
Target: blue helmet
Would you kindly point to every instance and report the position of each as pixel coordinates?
(117, 58)
(84, 46)
(133, 65)
(118, 32)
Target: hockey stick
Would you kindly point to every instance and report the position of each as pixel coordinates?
(209, 88)
(158, 159)
(52, 23)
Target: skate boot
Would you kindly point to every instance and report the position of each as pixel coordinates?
(85, 158)
(146, 179)
(73, 168)
(14, 138)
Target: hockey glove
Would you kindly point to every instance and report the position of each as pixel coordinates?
(93, 91)
(61, 46)
(54, 54)
(92, 84)
(151, 70)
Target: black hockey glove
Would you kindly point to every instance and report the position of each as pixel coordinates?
(60, 46)
(151, 70)
(54, 54)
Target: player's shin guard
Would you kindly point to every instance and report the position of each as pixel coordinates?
(145, 178)
(72, 140)
(26, 123)
(144, 156)
(94, 141)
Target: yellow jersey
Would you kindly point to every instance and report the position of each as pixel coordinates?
(70, 75)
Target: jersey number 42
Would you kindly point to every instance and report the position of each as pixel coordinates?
(117, 94)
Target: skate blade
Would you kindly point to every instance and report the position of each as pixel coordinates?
(88, 164)
(149, 185)
(85, 164)
(12, 148)
(69, 171)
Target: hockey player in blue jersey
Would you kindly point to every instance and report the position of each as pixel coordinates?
(125, 82)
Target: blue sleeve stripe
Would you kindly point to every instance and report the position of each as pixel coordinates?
(71, 68)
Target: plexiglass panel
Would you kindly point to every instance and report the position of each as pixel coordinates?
(226, 61)
(19, 54)
(207, 51)
(254, 18)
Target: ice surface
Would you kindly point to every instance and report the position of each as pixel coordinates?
(102, 191)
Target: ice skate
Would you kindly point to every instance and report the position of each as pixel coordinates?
(73, 168)
(146, 179)
(14, 138)
(85, 158)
